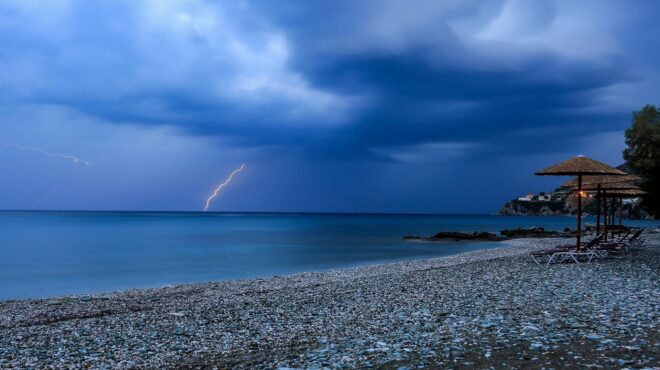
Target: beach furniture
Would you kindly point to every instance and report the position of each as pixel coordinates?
(623, 237)
(605, 249)
(571, 255)
(568, 253)
(620, 246)
(600, 183)
(634, 241)
(617, 191)
(580, 166)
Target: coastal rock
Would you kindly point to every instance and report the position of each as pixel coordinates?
(477, 235)
(457, 236)
(532, 232)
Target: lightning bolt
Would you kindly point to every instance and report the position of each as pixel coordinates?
(227, 181)
(69, 157)
(40, 200)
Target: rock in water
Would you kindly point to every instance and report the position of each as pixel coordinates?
(532, 232)
(457, 236)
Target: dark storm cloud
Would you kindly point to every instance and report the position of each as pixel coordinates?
(439, 89)
(418, 102)
(346, 79)
(412, 105)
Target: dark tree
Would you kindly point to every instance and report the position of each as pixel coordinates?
(643, 154)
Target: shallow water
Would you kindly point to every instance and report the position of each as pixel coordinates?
(56, 253)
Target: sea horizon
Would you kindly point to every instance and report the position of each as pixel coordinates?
(46, 253)
(261, 212)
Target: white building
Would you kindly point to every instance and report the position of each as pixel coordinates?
(536, 198)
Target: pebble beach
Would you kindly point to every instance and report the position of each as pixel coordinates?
(483, 309)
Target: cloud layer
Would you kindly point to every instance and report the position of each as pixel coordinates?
(376, 83)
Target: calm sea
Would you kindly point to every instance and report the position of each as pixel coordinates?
(56, 253)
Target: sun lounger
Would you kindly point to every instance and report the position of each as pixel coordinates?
(585, 243)
(567, 253)
(623, 237)
(549, 256)
(607, 249)
(574, 255)
(634, 241)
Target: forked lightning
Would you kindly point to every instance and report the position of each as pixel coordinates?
(217, 190)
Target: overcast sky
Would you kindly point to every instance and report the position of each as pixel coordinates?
(333, 106)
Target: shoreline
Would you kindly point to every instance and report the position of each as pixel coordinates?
(514, 247)
(437, 311)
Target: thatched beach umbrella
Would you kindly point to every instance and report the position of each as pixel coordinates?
(598, 181)
(602, 191)
(629, 193)
(633, 192)
(580, 166)
(611, 186)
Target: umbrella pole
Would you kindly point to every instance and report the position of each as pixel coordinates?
(579, 216)
(598, 211)
(605, 213)
(609, 214)
(620, 214)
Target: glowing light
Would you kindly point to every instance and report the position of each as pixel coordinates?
(69, 157)
(217, 190)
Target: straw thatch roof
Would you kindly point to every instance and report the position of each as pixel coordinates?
(580, 165)
(600, 179)
(610, 186)
(632, 193)
(613, 187)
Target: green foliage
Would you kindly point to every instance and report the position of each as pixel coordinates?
(643, 154)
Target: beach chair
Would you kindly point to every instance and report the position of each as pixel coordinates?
(634, 241)
(614, 247)
(586, 244)
(572, 255)
(605, 250)
(624, 236)
(567, 253)
(598, 248)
